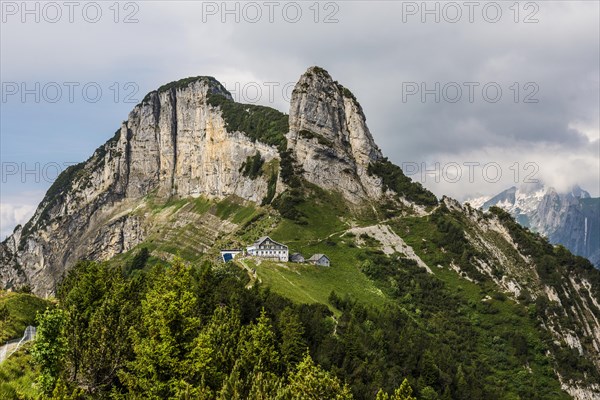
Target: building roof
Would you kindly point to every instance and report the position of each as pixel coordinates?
(296, 254)
(262, 239)
(317, 257)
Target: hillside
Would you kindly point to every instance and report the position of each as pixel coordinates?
(463, 304)
(570, 219)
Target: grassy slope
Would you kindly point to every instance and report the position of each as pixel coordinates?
(327, 220)
(326, 216)
(22, 309)
(18, 376)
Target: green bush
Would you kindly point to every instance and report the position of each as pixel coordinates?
(312, 135)
(252, 167)
(259, 123)
(394, 179)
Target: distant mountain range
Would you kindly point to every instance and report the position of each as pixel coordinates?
(569, 218)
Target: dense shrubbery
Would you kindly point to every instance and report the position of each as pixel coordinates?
(312, 135)
(252, 167)
(271, 189)
(287, 204)
(394, 179)
(184, 332)
(181, 83)
(260, 123)
(450, 237)
(288, 169)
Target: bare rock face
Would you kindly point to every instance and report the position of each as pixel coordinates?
(330, 138)
(181, 147)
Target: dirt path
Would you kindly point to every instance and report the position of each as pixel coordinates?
(251, 274)
(13, 345)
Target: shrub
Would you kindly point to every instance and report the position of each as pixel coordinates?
(259, 123)
(251, 168)
(394, 179)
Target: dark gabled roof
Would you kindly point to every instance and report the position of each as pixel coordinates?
(297, 254)
(317, 257)
(262, 239)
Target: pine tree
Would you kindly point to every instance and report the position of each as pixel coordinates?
(265, 386)
(404, 392)
(258, 352)
(429, 370)
(165, 344)
(222, 336)
(428, 393)
(462, 387)
(311, 382)
(50, 347)
(293, 345)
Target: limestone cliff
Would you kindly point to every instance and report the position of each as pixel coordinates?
(330, 138)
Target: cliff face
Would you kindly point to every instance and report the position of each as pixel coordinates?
(330, 138)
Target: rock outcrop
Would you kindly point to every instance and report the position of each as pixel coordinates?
(330, 138)
(178, 143)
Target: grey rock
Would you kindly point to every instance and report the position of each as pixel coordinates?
(330, 138)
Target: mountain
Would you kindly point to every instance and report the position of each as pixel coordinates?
(571, 218)
(464, 303)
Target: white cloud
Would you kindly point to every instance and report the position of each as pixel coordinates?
(549, 164)
(15, 210)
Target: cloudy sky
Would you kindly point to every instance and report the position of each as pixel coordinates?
(471, 98)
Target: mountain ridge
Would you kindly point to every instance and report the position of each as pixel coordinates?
(191, 171)
(569, 218)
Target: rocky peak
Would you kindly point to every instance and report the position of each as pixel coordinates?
(201, 85)
(187, 139)
(329, 136)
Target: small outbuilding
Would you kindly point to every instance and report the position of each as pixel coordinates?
(297, 258)
(230, 254)
(320, 259)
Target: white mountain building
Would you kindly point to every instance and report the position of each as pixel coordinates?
(265, 247)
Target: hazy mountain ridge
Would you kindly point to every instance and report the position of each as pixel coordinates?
(569, 218)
